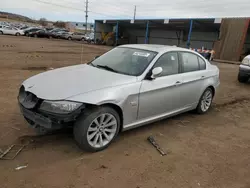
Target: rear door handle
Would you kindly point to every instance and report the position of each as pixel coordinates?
(178, 83)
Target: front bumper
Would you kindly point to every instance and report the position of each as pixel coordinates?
(244, 70)
(49, 121)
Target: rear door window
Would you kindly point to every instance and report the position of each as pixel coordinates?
(189, 61)
(202, 63)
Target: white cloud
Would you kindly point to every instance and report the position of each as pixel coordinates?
(74, 9)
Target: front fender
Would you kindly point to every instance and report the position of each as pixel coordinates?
(124, 96)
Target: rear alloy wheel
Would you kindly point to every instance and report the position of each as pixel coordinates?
(17, 34)
(205, 101)
(242, 79)
(96, 129)
(69, 38)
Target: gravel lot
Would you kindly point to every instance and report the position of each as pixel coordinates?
(211, 150)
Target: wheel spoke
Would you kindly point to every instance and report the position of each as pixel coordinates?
(110, 124)
(108, 119)
(96, 139)
(101, 140)
(109, 130)
(106, 136)
(91, 129)
(209, 96)
(96, 122)
(102, 118)
(203, 106)
(92, 135)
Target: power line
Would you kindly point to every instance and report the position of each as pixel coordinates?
(58, 5)
(73, 8)
(114, 6)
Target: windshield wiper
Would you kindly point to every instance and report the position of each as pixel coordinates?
(90, 63)
(106, 67)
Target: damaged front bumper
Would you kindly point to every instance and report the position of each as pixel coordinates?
(49, 121)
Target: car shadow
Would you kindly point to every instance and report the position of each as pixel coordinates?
(65, 139)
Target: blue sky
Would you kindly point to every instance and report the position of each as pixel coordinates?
(73, 10)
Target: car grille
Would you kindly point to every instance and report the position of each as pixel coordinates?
(27, 99)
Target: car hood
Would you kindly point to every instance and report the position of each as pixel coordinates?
(62, 83)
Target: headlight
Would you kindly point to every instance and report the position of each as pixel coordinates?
(246, 62)
(59, 107)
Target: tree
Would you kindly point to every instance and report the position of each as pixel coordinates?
(60, 24)
(43, 21)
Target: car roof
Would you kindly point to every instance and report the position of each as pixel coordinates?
(154, 47)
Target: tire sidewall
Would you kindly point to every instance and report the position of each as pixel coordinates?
(199, 109)
(83, 122)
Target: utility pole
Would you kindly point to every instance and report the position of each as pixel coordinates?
(134, 12)
(86, 15)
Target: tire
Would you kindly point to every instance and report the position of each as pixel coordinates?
(86, 131)
(69, 38)
(242, 79)
(35, 35)
(17, 34)
(1, 33)
(205, 101)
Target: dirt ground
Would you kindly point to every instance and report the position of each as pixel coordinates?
(211, 150)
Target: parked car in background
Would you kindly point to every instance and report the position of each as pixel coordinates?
(66, 35)
(24, 27)
(77, 36)
(49, 29)
(244, 70)
(54, 33)
(30, 30)
(90, 38)
(40, 33)
(60, 35)
(140, 84)
(6, 30)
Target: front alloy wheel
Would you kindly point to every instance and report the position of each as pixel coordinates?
(205, 101)
(102, 130)
(96, 128)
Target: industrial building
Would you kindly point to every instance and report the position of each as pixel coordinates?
(228, 37)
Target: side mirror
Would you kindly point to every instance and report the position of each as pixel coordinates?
(96, 57)
(156, 72)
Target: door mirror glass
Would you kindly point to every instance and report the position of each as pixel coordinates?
(156, 72)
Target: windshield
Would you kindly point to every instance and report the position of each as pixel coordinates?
(127, 61)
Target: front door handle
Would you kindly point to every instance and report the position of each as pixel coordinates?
(178, 83)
